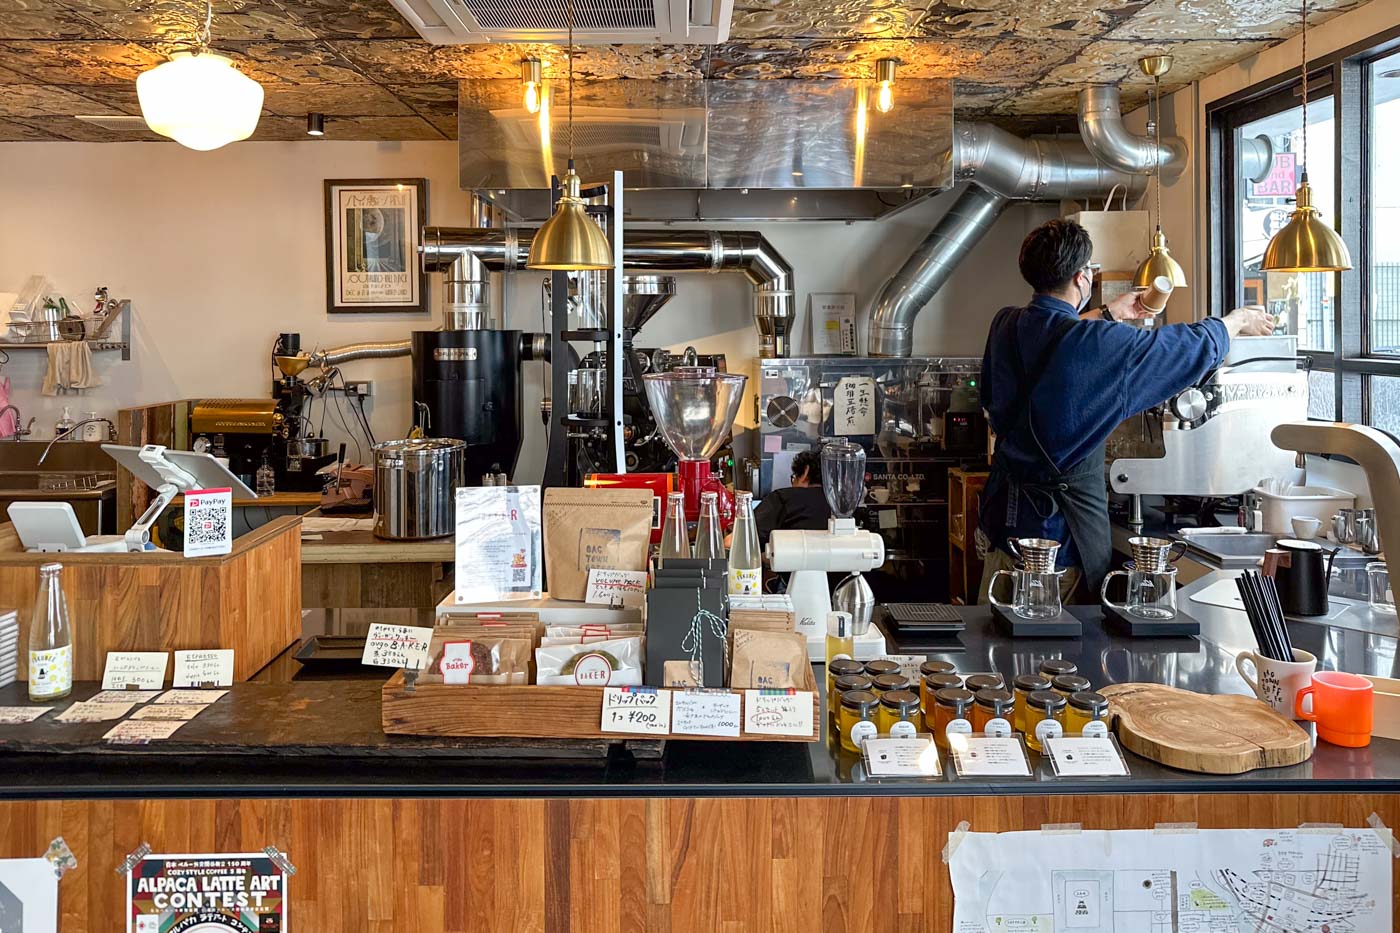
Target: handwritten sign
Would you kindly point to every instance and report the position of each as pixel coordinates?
(178, 711)
(639, 710)
(94, 712)
(778, 712)
(123, 696)
(205, 667)
(705, 712)
(10, 715)
(142, 669)
(403, 646)
(627, 588)
(141, 731)
(204, 697)
(854, 401)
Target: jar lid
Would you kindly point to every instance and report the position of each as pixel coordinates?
(997, 701)
(860, 700)
(939, 681)
(955, 697)
(1070, 683)
(853, 682)
(976, 682)
(843, 667)
(1054, 667)
(1089, 701)
(887, 682)
(881, 666)
(904, 702)
(1046, 700)
(1029, 682)
(936, 667)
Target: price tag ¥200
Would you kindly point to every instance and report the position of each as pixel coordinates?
(638, 710)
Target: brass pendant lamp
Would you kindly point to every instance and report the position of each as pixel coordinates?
(570, 240)
(1159, 262)
(1307, 243)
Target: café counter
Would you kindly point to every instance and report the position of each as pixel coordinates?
(438, 834)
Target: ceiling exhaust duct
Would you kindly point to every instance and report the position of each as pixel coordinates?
(1101, 127)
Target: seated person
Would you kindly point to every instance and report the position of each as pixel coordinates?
(801, 506)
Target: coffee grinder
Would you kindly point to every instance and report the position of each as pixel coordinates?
(694, 408)
(809, 555)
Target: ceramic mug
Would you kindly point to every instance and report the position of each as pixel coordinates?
(1277, 682)
(1343, 706)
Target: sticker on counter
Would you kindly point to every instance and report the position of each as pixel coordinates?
(638, 710)
(202, 697)
(204, 667)
(207, 893)
(778, 712)
(144, 670)
(142, 731)
(912, 756)
(988, 756)
(626, 588)
(705, 712)
(1085, 756)
(14, 715)
(404, 646)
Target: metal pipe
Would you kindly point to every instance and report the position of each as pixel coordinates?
(1256, 157)
(335, 356)
(1101, 127)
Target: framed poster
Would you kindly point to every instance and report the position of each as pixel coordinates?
(217, 893)
(373, 229)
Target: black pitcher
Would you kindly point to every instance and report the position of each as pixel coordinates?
(1302, 573)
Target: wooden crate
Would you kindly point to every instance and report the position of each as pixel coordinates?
(435, 708)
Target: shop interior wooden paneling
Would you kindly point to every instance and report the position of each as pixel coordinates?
(844, 865)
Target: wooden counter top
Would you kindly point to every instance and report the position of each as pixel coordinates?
(353, 547)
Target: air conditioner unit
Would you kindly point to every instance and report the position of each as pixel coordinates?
(596, 22)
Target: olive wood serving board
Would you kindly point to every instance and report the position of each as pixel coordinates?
(1225, 734)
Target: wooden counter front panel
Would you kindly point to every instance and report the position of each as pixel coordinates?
(841, 865)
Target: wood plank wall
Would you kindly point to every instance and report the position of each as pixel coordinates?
(842, 865)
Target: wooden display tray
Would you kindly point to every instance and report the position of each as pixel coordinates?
(527, 711)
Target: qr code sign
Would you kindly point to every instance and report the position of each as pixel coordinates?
(208, 514)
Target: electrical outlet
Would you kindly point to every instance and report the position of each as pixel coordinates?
(364, 388)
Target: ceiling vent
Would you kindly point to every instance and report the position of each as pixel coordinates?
(596, 22)
(113, 122)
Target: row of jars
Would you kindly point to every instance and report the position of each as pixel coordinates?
(875, 698)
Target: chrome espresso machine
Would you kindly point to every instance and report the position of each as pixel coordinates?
(916, 418)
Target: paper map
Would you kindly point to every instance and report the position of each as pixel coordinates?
(1141, 881)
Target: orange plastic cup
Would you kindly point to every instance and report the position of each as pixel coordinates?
(1343, 706)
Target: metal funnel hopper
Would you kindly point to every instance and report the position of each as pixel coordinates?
(643, 296)
(694, 406)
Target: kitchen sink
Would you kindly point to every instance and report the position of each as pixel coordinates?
(1252, 544)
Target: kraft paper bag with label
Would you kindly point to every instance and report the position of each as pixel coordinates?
(587, 529)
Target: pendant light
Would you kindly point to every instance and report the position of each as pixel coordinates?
(884, 78)
(1306, 243)
(570, 240)
(1159, 262)
(199, 99)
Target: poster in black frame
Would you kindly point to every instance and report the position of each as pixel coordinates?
(373, 229)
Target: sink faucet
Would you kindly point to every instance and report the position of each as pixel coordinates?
(111, 432)
(22, 430)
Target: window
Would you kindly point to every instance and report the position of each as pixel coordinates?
(1384, 196)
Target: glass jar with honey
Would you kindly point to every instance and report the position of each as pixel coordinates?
(1024, 686)
(952, 711)
(1054, 667)
(857, 718)
(936, 667)
(976, 682)
(1087, 713)
(1066, 685)
(992, 712)
(931, 684)
(880, 666)
(899, 714)
(1045, 717)
(835, 670)
(887, 682)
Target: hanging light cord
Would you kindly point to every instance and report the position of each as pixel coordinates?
(207, 32)
(1157, 147)
(1305, 90)
(570, 14)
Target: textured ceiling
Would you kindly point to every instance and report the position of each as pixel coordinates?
(1017, 62)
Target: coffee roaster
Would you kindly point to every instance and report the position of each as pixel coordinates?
(916, 418)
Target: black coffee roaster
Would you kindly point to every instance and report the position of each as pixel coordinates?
(467, 385)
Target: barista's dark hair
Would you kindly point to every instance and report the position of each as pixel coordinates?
(808, 463)
(1052, 253)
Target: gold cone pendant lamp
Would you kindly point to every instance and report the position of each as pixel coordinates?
(1159, 262)
(1306, 243)
(570, 240)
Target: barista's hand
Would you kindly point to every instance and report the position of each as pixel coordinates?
(1250, 321)
(1129, 307)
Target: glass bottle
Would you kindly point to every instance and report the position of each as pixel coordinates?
(840, 642)
(675, 542)
(266, 478)
(709, 540)
(64, 424)
(50, 639)
(745, 561)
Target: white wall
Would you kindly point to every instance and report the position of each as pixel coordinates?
(221, 251)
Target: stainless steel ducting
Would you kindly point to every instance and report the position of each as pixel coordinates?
(1256, 157)
(1107, 139)
(337, 356)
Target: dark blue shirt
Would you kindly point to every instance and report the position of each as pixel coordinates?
(1101, 374)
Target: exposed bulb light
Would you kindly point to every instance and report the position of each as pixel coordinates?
(884, 77)
(315, 124)
(531, 76)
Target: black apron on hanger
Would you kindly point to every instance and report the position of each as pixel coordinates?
(1078, 493)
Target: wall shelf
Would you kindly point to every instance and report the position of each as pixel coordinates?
(101, 339)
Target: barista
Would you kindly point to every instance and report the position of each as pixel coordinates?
(801, 506)
(1056, 380)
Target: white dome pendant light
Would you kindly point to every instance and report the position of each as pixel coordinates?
(200, 99)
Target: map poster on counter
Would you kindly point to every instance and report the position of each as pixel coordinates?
(28, 896)
(207, 894)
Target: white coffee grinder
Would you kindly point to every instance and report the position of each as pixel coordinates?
(810, 555)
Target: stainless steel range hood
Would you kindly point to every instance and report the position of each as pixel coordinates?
(714, 150)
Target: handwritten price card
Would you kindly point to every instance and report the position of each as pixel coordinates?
(778, 712)
(403, 646)
(203, 668)
(639, 710)
(705, 712)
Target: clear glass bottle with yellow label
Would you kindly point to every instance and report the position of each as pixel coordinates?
(857, 719)
(1023, 687)
(993, 711)
(835, 670)
(1045, 717)
(1087, 713)
(1067, 685)
(952, 712)
(899, 714)
(930, 685)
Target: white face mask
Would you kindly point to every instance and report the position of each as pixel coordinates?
(1084, 302)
